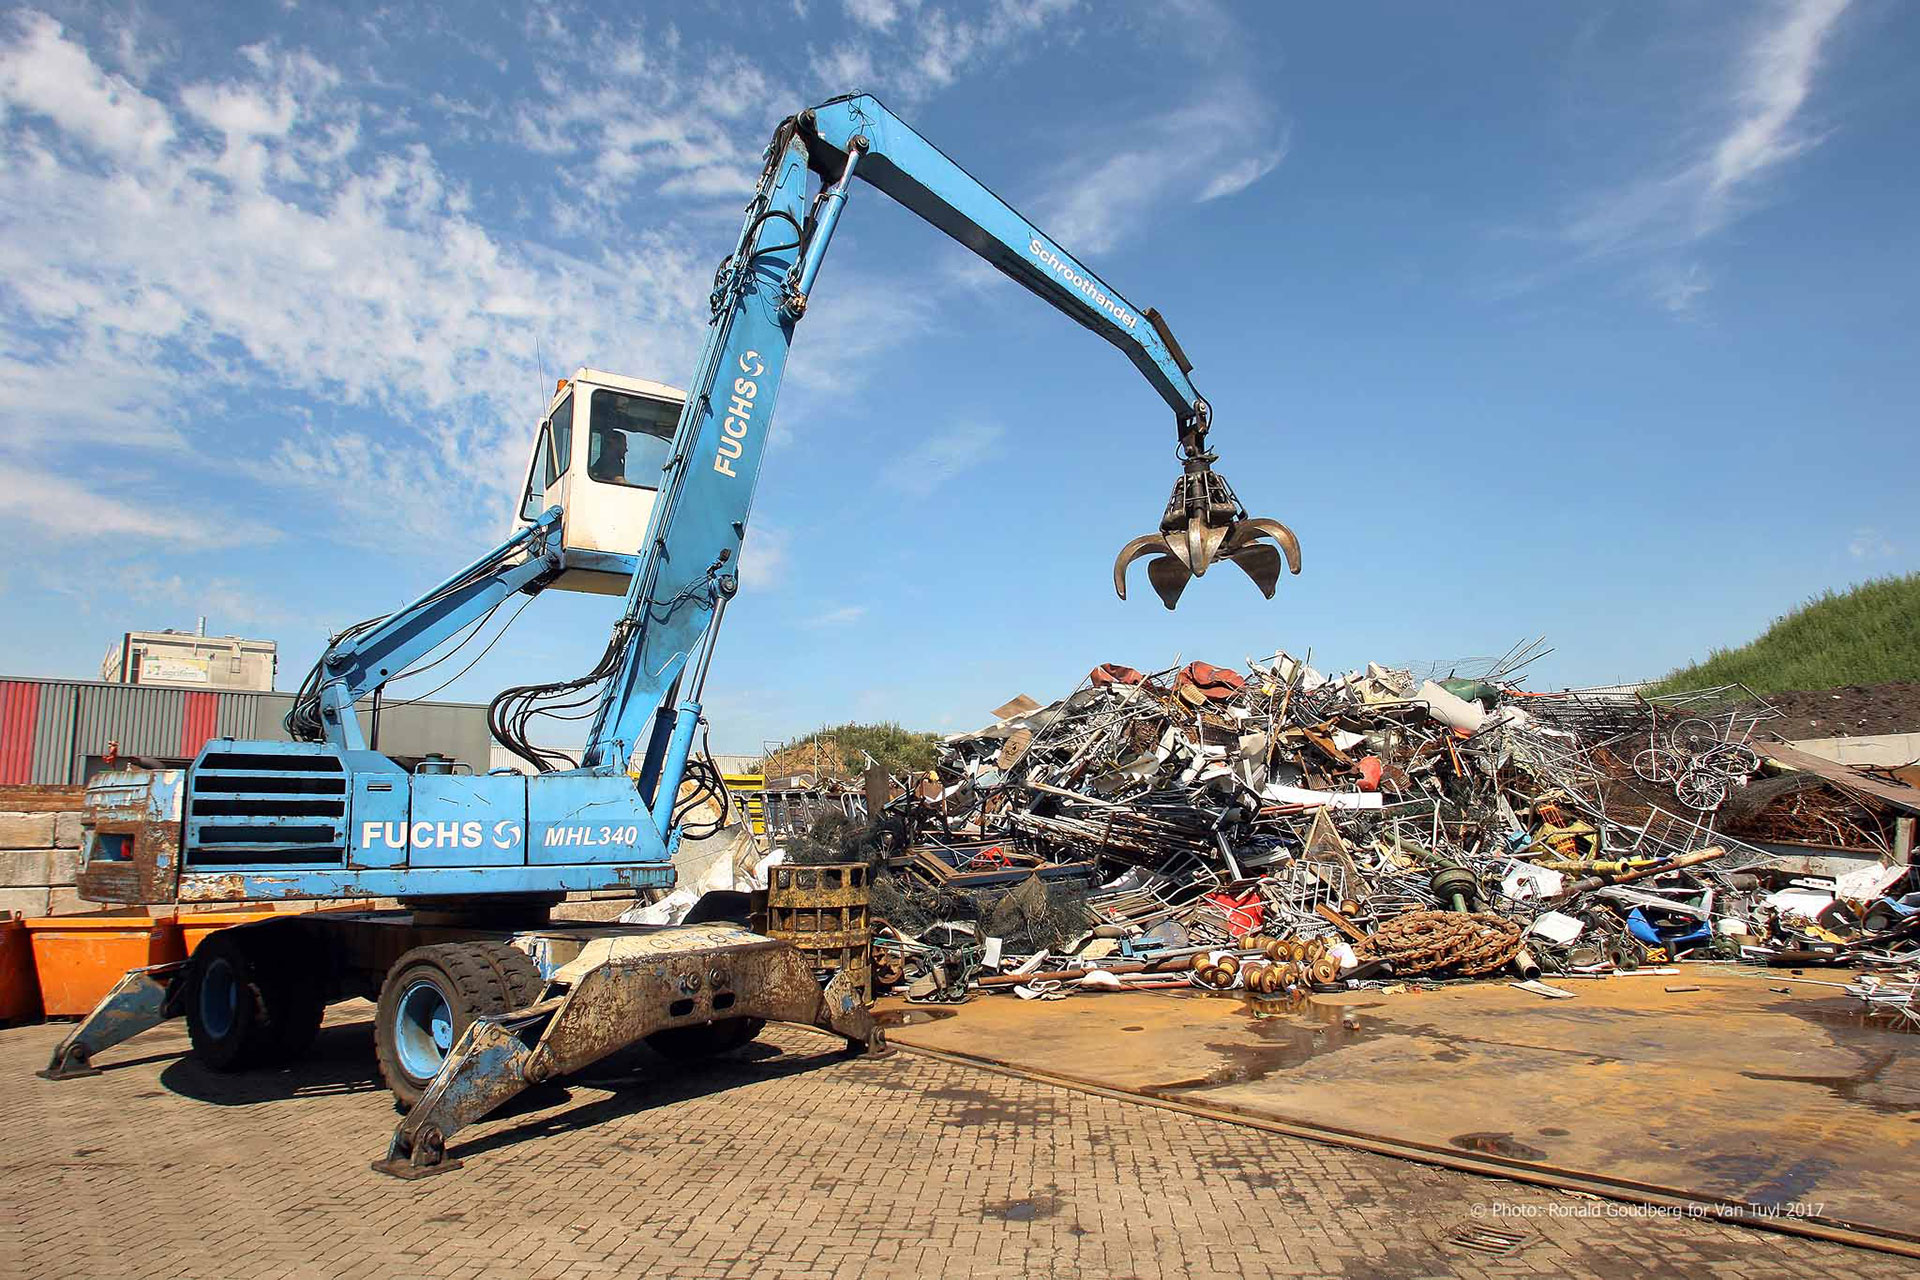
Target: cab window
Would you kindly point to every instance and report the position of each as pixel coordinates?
(560, 440)
(550, 458)
(629, 438)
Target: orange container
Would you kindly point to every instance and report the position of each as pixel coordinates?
(195, 926)
(81, 958)
(19, 987)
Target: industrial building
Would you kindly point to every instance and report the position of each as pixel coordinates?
(64, 731)
(191, 659)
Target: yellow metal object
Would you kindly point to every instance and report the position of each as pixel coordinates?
(749, 790)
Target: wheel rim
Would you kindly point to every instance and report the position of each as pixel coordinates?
(423, 1029)
(219, 999)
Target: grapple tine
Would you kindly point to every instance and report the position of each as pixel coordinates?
(1257, 527)
(1169, 578)
(1146, 544)
(1261, 562)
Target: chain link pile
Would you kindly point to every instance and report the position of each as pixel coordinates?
(1464, 943)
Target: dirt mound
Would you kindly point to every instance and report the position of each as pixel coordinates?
(1851, 710)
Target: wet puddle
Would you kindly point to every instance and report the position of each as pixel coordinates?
(1846, 1015)
(1762, 1179)
(1031, 1209)
(1292, 1032)
(1874, 1039)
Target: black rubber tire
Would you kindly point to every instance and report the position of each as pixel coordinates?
(303, 1004)
(266, 1017)
(704, 1040)
(477, 980)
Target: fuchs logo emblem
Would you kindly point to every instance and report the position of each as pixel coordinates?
(1074, 280)
(739, 414)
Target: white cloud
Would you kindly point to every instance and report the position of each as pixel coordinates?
(763, 556)
(246, 240)
(938, 458)
(877, 14)
(210, 256)
(1776, 77)
(1216, 145)
(906, 61)
(1677, 287)
(1754, 127)
(45, 71)
(56, 505)
(1870, 544)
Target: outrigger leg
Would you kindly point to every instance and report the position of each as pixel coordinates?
(144, 998)
(619, 991)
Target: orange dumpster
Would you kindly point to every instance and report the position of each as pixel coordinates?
(196, 925)
(80, 958)
(19, 987)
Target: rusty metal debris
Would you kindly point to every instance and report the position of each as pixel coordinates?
(1273, 829)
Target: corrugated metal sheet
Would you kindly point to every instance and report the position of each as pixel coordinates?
(143, 720)
(63, 722)
(238, 711)
(269, 713)
(19, 715)
(199, 717)
(456, 729)
(53, 737)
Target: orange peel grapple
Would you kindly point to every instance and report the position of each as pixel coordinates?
(1204, 524)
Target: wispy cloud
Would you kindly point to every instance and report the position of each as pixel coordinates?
(763, 556)
(304, 253)
(65, 508)
(108, 587)
(934, 46)
(880, 15)
(1217, 144)
(938, 458)
(1871, 544)
(1753, 126)
(1214, 141)
(837, 617)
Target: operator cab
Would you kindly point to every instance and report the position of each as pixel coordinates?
(600, 456)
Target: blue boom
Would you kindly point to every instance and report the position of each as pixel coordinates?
(327, 817)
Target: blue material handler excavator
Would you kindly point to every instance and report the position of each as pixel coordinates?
(636, 489)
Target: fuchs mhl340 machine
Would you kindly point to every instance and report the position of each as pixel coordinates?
(634, 489)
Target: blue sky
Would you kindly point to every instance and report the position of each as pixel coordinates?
(1588, 322)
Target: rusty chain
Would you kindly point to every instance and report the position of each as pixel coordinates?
(1430, 941)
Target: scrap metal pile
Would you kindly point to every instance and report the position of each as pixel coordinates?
(1274, 829)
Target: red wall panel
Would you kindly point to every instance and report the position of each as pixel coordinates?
(200, 722)
(19, 709)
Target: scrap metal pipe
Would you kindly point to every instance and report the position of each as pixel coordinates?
(1692, 859)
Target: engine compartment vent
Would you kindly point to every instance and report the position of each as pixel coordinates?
(271, 808)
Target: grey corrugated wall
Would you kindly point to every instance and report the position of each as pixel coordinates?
(53, 733)
(148, 721)
(457, 729)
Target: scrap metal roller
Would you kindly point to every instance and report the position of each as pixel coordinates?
(1204, 523)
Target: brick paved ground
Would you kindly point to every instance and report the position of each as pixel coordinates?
(788, 1160)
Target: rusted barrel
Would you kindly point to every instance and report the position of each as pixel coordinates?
(822, 912)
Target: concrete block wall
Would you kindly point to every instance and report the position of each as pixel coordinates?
(40, 851)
